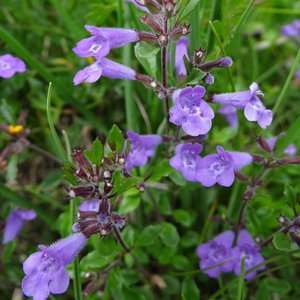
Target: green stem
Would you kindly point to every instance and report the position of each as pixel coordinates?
(76, 270)
(286, 84)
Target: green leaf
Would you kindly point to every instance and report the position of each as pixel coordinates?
(187, 7)
(290, 137)
(68, 170)
(116, 139)
(122, 183)
(290, 195)
(182, 217)
(95, 261)
(169, 234)
(130, 201)
(277, 285)
(8, 251)
(162, 169)
(98, 151)
(190, 289)
(281, 241)
(129, 294)
(149, 235)
(146, 55)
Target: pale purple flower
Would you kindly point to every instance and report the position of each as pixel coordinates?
(45, 270)
(247, 248)
(289, 150)
(217, 251)
(292, 29)
(190, 111)
(9, 65)
(92, 205)
(104, 39)
(138, 5)
(297, 73)
(208, 78)
(230, 112)
(219, 168)
(15, 222)
(186, 160)
(254, 110)
(181, 52)
(104, 67)
(141, 148)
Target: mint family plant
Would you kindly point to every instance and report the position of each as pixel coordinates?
(109, 173)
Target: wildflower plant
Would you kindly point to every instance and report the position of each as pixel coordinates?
(167, 210)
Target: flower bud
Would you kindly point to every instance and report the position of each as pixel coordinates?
(169, 6)
(264, 144)
(152, 22)
(154, 6)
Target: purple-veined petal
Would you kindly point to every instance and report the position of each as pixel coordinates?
(89, 74)
(265, 118)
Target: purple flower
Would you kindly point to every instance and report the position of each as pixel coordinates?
(9, 65)
(181, 52)
(208, 79)
(136, 3)
(219, 168)
(289, 150)
(230, 112)
(191, 111)
(104, 39)
(141, 148)
(106, 68)
(254, 110)
(15, 223)
(92, 205)
(297, 73)
(45, 270)
(246, 247)
(186, 160)
(215, 252)
(292, 29)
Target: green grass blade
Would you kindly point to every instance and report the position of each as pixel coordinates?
(73, 28)
(223, 53)
(67, 144)
(60, 149)
(244, 16)
(240, 292)
(284, 89)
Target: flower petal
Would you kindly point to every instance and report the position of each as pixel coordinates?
(32, 262)
(60, 282)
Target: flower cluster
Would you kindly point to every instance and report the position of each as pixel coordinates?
(214, 168)
(220, 255)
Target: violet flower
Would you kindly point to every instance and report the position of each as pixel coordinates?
(92, 205)
(104, 67)
(230, 112)
(181, 52)
(136, 3)
(104, 39)
(45, 270)
(217, 251)
(190, 111)
(254, 110)
(246, 247)
(141, 148)
(15, 222)
(289, 150)
(208, 79)
(9, 65)
(219, 168)
(186, 160)
(292, 29)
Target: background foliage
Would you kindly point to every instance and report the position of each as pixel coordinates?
(163, 236)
